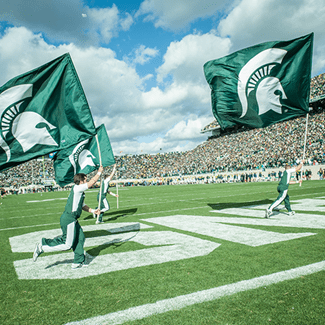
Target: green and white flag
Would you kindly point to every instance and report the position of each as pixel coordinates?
(83, 157)
(42, 111)
(261, 85)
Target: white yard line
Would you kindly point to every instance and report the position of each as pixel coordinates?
(176, 303)
(33, 226)
(92, 220)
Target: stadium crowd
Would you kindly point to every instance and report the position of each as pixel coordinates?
(270, 147)
(30, 173)
(258, 149)
(317, 86)
(234, 150)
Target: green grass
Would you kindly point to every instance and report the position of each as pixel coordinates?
(297, 301)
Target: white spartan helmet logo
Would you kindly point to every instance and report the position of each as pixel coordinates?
(82, 157)
(256, 75)
(23, 125)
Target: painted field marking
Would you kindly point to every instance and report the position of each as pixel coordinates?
(280, 219)
(35, 215)
(315, 204)
(26, 243)
(47, 200)
(92, 220)
(177, 303)
(172, 246)
(211, 226)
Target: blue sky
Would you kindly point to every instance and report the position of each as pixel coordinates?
(141, 62)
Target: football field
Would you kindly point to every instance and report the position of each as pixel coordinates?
(186, 254)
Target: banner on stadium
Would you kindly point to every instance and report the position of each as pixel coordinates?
(263, 84)
(83, 157)
(42, 111)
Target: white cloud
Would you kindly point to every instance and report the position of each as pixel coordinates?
(142, 55)
(176, 15)
(126, 22)
(255, 21)
(67, 21)
(185, 59)
(114, 92)
(187, 130)
(106, 22)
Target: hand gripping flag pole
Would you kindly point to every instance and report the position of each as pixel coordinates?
(100, 188)
(303, 155)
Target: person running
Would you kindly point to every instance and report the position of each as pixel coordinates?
(104, 205)
(72, 233)
(283, 190)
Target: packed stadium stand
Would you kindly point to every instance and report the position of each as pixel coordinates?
(317, 99)
(236, 150)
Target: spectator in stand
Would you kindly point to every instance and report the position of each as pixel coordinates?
(320, 173)
(236, 150)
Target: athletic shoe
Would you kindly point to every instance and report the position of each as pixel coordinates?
(37, 252)
(291, 213)
(77, 265)
(98, 222)
(267, 213)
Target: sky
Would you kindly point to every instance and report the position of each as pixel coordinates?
(141, 62)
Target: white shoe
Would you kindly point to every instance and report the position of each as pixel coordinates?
(98, 222)
(267, 213)
(291, 213)
(77, 265)
(37, 252)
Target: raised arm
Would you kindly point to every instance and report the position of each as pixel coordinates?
(92, 182)
(299, 166)
(113, 171)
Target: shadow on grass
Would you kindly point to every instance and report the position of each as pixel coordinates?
(94, 252)
(114, 215)
(116, 242)
(69, 261)
(221, 206)
(112, 231)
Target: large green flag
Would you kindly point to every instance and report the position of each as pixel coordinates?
(42, 111)
(261, 85)
(83, 157)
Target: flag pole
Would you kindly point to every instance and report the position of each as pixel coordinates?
(304, 152)
(117, 189)
(100, 186)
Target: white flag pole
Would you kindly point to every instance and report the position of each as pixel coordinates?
(100, 187)
(304, 152)
(117, 189)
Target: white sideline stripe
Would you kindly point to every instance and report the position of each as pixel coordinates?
(33, 226)
(34, 215)
(47, 200)
(139, 214)
(163, 306)
(65, 198)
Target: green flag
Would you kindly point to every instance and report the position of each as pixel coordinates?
(261, 85)
(83, 157)
(42, 111)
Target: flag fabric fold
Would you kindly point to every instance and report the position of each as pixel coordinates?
(83, 157)
(42, 111)
(261, 85)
